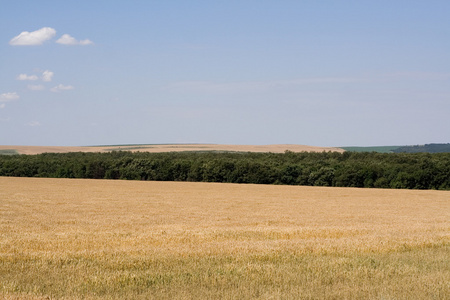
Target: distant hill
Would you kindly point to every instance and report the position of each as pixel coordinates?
(427, 148)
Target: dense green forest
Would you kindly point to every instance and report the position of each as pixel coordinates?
(348, 169)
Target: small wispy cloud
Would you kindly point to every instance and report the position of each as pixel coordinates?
(33, 38)
(61, 87)
(47, 76)
(5, 97)
(67, 39)
(27, 77)
(86, 42)
(36, 87)
(38, 37)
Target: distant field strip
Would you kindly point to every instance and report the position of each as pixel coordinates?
(102, 239)
(170, 148)
(380, 149)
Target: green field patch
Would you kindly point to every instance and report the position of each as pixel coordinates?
(8, 152)
(379, 149)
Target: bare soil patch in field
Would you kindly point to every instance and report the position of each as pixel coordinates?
(100, 239)
(171, 148)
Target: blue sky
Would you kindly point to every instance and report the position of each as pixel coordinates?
(322, 73)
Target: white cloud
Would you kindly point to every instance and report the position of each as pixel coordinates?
(86, 42)
(27, 77)
(5, 97)
(61, 87)
(36, 87)
(47, 76)
(67, 39)
(39, 36)
(33, 38)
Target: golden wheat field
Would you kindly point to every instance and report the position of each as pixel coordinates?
(101, 239)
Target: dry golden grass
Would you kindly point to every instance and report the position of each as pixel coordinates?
(99, 239)
(171, 148)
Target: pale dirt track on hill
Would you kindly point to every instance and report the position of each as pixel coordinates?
(171, 148)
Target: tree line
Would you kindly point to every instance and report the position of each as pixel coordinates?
(348, 169)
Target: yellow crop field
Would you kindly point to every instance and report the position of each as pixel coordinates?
(101, 239)
(31, 150)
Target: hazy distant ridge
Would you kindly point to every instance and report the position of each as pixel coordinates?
(427, 148)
